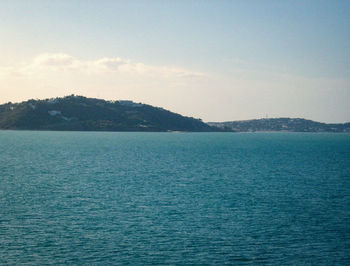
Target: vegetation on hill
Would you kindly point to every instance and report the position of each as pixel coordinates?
(89, 114)
(280, 124)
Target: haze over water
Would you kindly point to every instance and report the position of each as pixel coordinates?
(166, 198)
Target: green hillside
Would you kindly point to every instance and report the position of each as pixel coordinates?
(89, 114)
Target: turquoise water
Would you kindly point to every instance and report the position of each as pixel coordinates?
(165, 198)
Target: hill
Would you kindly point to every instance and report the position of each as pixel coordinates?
(90, 114)
(280, 124)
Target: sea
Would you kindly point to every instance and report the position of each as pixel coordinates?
(112, 198)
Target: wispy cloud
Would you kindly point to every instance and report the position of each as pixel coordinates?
(60, 62)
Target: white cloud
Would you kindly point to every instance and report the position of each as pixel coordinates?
(110, 64)
(59, 62)
(54, 60)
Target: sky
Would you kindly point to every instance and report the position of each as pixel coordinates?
(214, 60)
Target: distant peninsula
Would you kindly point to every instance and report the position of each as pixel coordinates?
(280, 124)
(79, 113)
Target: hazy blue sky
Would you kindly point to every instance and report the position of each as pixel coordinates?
(216, 60)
